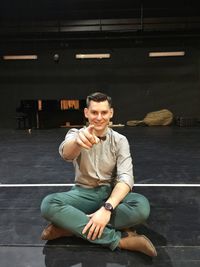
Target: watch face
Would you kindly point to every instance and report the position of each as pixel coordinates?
(108, 206)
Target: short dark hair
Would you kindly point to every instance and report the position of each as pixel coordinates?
(98, 97)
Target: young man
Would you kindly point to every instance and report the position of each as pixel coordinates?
(100, 207)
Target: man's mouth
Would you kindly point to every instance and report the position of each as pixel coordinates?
(98, 124)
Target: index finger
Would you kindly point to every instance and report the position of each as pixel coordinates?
(87, 227)
(90, 129)
(94, 139)
(89, 134)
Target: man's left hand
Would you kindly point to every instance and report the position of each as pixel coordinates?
(97, 223)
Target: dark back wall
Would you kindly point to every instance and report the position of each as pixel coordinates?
(138, 84)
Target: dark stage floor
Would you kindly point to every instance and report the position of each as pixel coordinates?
(167, 171)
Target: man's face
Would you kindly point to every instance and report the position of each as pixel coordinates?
(99, 114)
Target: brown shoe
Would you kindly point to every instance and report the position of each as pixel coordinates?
(129, 232)
(135, 242)
(52, 232)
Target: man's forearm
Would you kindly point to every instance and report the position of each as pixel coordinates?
(118, 194)
(71, 149)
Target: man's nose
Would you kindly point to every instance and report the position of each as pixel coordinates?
(99, 116)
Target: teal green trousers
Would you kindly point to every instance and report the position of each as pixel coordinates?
(68, 210)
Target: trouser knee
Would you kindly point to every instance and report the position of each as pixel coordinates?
(144, 208)
(46, 206)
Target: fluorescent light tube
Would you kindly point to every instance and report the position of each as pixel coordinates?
(92, 56)
(20, 57)
(167, 54)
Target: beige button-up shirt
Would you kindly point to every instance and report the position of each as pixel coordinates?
(106, 163)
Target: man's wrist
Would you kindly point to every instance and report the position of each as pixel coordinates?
(108, 206)
(77, 139)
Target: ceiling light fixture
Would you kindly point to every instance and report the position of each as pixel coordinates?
(167, 54)
(92, 56)
(20, 57)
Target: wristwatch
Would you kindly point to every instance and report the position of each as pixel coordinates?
(108, 206)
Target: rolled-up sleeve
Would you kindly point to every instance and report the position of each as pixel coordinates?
(71, 134)
(124, 163)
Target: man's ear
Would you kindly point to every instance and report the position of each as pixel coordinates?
(111, 112)
(86, 112)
